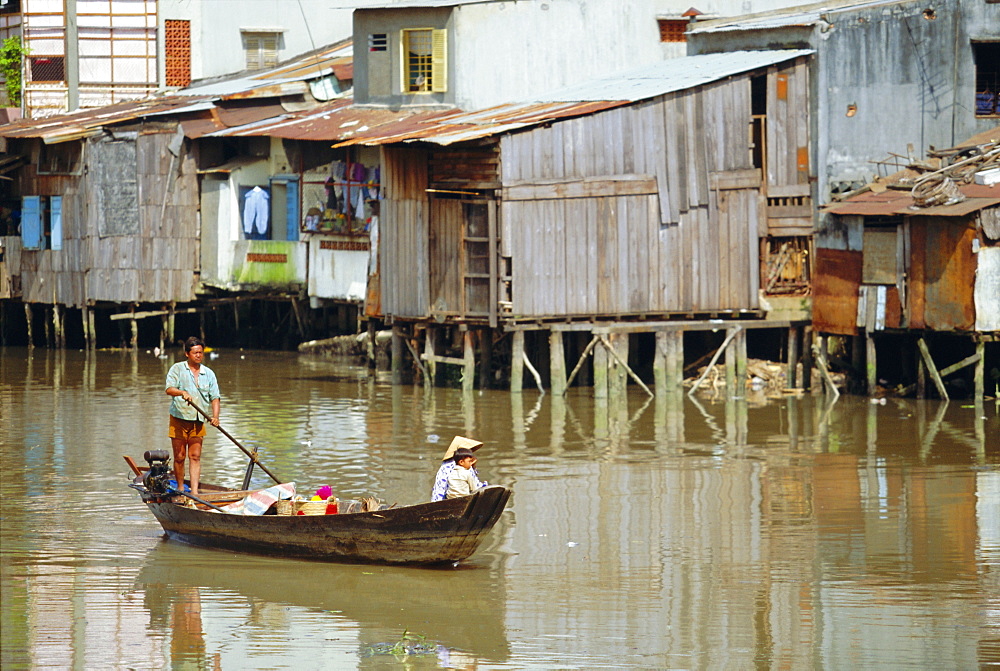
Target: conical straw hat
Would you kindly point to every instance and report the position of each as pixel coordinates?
(461, 441)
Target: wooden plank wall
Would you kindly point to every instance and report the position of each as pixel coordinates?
(404, 236)
(787, 129)
(158, 265)
(447, 260)
(690, 246)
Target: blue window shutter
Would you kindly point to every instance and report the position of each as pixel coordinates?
(292, 207)
(55, 220)
(31, 222)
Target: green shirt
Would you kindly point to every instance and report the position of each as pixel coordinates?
(203, 392)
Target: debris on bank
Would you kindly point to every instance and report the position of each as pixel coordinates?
(765, 377)
(347, 345)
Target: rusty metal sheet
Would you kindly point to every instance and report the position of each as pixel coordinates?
(899, 202)
(79, 124)
(835, 291)
(950, 277)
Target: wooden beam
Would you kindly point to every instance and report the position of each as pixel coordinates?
(631, 373)
(967, 361)
(588, 187)
(819, 349)
(579, 364)
(154, 313)
(722, 348)
(979, 377)
(534, 373)
(932, 369)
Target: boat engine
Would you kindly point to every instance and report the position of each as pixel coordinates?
(157, 478)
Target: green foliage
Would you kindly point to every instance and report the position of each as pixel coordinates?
(407, 645)
(11, 56)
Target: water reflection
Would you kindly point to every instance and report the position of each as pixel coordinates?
(665, 532)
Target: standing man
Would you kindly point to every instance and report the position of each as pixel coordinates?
(189, 382)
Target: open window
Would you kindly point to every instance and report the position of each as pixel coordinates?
(63, 158)
(41, 223)
(425, 60)
(987, 59)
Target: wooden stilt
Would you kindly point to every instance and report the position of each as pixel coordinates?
(485, 337)
(807, 358)
(171, 324)
(57, 334)
(134, 339)
(557, 363)
(370, 345)
(163, 331)
(47, 327)
(430, 354)
(397, 356)
(469, 367)
(617, 344)
(601, 371)
(675, 361)
(583, 358)
(932, 369)
(979, 377)
(533, 371)
(730, 334)
(517, 362)
(27, 319)
(921, 374)
(660, 362)
(623, 365)
(85, 325)
(791, 370)
(871, 364)
(820, 352)
(92, 321)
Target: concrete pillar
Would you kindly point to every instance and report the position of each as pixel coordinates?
(517, 362)
(557, 363)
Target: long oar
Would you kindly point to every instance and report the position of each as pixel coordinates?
(252, 455)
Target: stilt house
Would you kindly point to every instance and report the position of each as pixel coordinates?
(912, 266)
(644, 197)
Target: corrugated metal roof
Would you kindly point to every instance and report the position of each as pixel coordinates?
(90, 122)
(893, 202)
(281, 80)
(803, 15)
(670, 75)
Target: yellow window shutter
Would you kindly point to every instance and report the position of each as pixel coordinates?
(439, 61)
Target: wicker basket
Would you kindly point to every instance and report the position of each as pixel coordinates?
(300, 507)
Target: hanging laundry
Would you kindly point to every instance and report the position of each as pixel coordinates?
(357, 173)
(256, 209)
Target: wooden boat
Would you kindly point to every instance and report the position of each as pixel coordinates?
(426, 533)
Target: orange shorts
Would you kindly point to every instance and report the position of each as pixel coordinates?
(182, 428)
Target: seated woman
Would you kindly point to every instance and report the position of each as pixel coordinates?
(448, 465)
(463, 479)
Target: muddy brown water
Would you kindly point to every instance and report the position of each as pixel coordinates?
(678, 533)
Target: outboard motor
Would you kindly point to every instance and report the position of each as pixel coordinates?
(157, 478)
